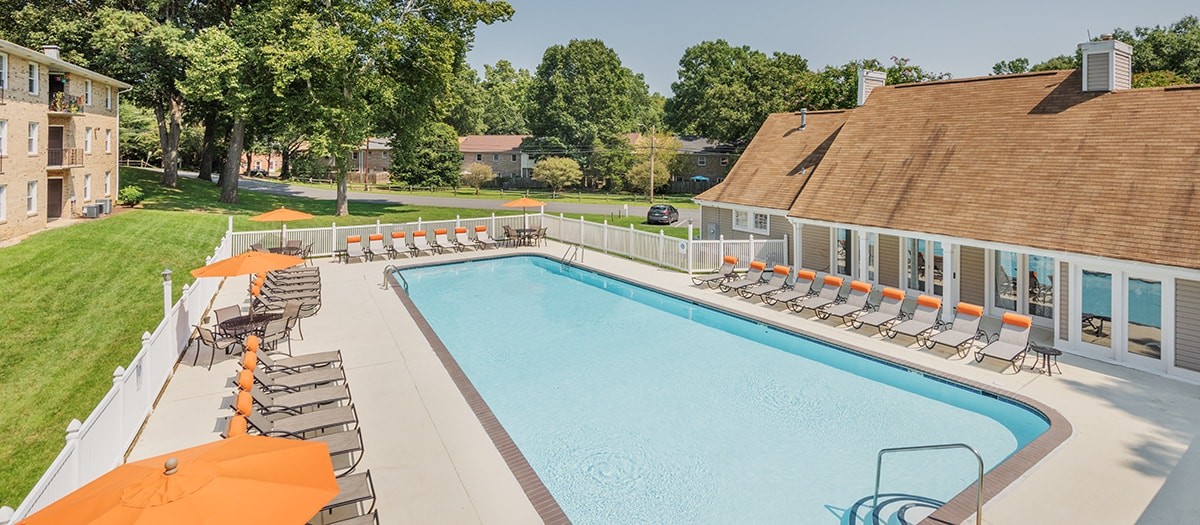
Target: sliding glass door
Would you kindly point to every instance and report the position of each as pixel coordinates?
(1022, 283)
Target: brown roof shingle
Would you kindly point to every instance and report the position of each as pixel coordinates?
(1028, 160)
(778, 162)
(490, 143)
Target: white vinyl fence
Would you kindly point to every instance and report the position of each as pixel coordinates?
(100, 442)
(327, 241)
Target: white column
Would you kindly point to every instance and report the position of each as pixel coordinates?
(785, 250)
(949, 273)
(689, 248)
(166, 277)
(860, 238)
(797, 246)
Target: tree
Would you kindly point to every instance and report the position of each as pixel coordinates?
(557, 172)
(1007, 67)
(611, 158)
(477, 174)
(665, 147)
(505, 98)
(638, 178)
(1174, 48)
(1057, 63)
(725, 92)
(433, 160)
(138, 134)
(1158, 79)
(464, 102)
(581, 91)
(836, 87)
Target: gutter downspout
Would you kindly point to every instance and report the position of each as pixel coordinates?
(117, 148)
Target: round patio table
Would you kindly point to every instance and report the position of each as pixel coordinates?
(244, 325)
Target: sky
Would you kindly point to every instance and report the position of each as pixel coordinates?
(963, 38)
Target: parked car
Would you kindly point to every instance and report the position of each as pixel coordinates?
(257, 172)
(662, 214)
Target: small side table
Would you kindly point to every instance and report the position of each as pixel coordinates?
(1048, 356)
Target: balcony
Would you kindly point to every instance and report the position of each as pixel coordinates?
(63, 104)
(63, 158)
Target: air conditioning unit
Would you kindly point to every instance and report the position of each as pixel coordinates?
(90, 211)
(104, 206)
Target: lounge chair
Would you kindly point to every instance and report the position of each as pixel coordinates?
(724, 273)
(291, 402)
(483, 239)
(831, 287)
(440, 240)
(352, 490)
(421, 243)
(370, 518)
(354, 249)
(399, 245)
(462, 240)
(962, 332)
(889, 311)
(1012, 343)
(923, 321)
(801, 288)
(855, 304)
(292, 365)
(375, 246)
(778, 281)
(752, 277)
(296, 382)
(345, 442)
(298, 425)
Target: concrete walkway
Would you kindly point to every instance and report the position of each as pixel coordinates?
(1134, 456)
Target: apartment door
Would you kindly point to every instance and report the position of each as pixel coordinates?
(54, 146)
(54, 198)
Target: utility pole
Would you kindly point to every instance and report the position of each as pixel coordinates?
(653, 132)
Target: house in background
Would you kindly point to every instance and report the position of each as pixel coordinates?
(58, 138)
(705, 158)
(500, 152)
(1062, 195)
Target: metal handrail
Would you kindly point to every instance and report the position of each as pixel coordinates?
(572, 251)
(393, 268)
(945, 446)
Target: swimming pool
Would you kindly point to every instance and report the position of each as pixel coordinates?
(637, 407)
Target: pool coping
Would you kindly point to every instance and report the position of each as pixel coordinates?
(956, 510)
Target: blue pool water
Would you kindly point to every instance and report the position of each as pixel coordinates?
(635, 407)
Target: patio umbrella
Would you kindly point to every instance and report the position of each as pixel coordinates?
(247, 263)
(281, 215)
(524, 202)
(243, 479)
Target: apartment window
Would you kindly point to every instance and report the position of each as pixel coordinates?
(87, 187)
(3, 137)
(701, 161)
(495, 157)
(479, 156)
(33, 138)
(108, 141)
(107, 97)
(3, 71)
(752, 222)
(87, 92)
(514, 158)
(107, 183)
(3, 203)
(87, 140)
(34, 78)
(31, 198)
(724, 161)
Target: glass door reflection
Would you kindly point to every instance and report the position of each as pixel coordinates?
(1095, 310)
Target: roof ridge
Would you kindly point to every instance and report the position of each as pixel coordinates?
(980, 79)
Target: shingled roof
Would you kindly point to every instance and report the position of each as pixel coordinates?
(778, 162)
(490, 143)
(1029, 160)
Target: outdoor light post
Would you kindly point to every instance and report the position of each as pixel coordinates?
(166, 275)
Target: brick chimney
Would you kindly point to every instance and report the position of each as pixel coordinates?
(1107, 64)
(50, 51)
(867, 81)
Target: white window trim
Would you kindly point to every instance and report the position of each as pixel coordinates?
(3, 72)
(32, 141)
(107, 183)
(31, 198)
(478, 157)
(108, 141)
(87, 140)
(3, 203)
(107, 97)
(87, 92)
(35, 78)
(514, 158)
(701, 160)
(87, 187)
(750, 220)
(4, 138)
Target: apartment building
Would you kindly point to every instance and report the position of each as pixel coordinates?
(58, 138)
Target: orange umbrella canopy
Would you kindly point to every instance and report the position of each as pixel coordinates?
(523, 202)
(247, 263)
(243, 479)
(281, 215)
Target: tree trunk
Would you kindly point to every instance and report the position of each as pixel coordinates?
(285, 163)
(229, 176)
(208, 149)
(169, 117)
(343, 202)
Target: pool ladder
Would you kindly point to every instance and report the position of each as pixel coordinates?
(391, 268)
(569, 256)
(946, 446)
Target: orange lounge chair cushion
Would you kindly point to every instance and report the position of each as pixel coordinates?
(245, 380)
(833, 280)
(460, 230)
(780, 269)
(439, 231)
(730, 259)
(1015, 319)
(252, 343)
(807, 275)
(397, 235)
(245, 403)
(894, 293)
(237, 426)
(376, 237)
(969, 309)
(929, 301)
(249, 360)
(481, 228)
(758, 265)
(419, 233)
(860, 286)
(353, 239)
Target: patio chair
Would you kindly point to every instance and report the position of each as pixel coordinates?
(801, 288)
(293, 247)
(779, 281)
(375, 246)
(399, 244)
(442, 243)
(226, 313)
(889, 311)
(306, 253)
(215, 341)
(483, 239)
(421, 243)
(923, 320)
(831, 287)
(280, 382)
(462, 240)
(353, 490)
(854, 305)
(298, 425)
(754, 276)
(278, 330)
(1011, 343)
(962, 332)
(257, 247)
(724, 273)
(539, 236)
(354, 249)
(510, 235)
(345, 442)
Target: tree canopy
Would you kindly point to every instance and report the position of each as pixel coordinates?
(506, 99)
(557, 172)
(836, 87)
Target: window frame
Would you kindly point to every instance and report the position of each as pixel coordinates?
(87, 141)
(107, 183)
(108, 141)
(514, 157)
(87, 187)
(4, 71)
(87, 92)
(108, 97)
(3, 137)
(495, 157)
(724, 161)
(702, 160)
(478, 157)
(750, 221)
(32, 145)
(35, 78)
(31, 197)
(3, 202)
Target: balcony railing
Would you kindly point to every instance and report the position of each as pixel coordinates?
(64, 157)
(61, 102)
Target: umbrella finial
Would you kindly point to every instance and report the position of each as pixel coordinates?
(172, 466)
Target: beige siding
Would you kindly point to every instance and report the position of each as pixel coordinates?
(710, 223)
(889, 260)
(972, 286)
(816, 247)
(1064, 300)
(1097, 72)
(1187, 325)
(778, 225)
(1122, 72)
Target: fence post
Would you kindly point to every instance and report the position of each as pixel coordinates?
(785, 250)
(720, 248)
(752, 248)
(73, 438)
(230, 227)
(605, 235)
(166, 277)
(333, 237)
(419, 224)
(118, 379)
(689, 248)
(493, 230)
(662, 239)
(378, 227)
(283, 235)
(581, 230)
(629, 245)
(458, 221)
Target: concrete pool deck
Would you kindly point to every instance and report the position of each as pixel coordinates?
(1132, 457)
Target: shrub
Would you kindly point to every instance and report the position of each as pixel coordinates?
(130, 196)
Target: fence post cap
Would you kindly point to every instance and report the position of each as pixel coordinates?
(145, 337)
(119, 373)
(73, 429)
(6, 514)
